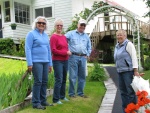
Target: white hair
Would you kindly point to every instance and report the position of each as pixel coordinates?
(37, 19)
(58, 20)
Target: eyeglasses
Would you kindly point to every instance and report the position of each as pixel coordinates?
(59, 25)
(83, 25)
(41, 23)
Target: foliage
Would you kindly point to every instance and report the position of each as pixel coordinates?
(146, 49)
(147, 2)
(50, 83)
(86, 12)
(94, 56)
(10, 92)
(13, 24)
(147, 63)
(147, 74)
(97, 73)
(6, 46)
(20, 50)
(73, 26)
(143, 100)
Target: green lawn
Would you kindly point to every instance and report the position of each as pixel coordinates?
(12, 66)
(95, 92)
(147, 74)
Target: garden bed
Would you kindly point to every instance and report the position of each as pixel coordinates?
(23, 104)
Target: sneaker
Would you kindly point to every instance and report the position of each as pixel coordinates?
(65, 99)
(39, 107)
(59, 102)
(47, 104)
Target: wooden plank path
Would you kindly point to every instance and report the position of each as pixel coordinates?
(13, 57)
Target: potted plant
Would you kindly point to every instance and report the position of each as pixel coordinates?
(13, 26)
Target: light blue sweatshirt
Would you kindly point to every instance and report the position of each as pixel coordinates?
(37, 48)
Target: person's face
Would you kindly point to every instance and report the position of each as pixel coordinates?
(120, 37)
(41, 24)
(81, 27)
(59, 27)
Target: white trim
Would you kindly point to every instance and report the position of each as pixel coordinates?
(43, 6)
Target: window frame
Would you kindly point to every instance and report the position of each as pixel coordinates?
(7, 18)
(52, 11)
(22, 9)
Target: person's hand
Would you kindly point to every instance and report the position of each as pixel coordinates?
(136, 73)
(30, 68)
(50, 69)
(86, 57)
(141, 74)
(69, 53)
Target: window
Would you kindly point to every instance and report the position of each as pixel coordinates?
(22, 13)
(47, 12)
(7, 11)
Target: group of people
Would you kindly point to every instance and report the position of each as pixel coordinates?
(64, 53)
(69, 52)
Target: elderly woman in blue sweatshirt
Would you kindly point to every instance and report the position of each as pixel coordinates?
(38, 56)
(127, 66)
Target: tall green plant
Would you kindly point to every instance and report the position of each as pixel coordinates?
(97, 73)
(10, 92)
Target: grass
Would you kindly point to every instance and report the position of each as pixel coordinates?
(94, 91)
(8, 66)
(147, 75)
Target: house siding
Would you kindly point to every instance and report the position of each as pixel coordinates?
(60, 9)
(63, 10)
(39, 3)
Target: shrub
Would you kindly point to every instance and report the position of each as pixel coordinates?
(6, 46)
(94, 56)
(147, 63)
(20, 51)
(97, 73)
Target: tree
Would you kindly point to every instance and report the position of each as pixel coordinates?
(147, 2)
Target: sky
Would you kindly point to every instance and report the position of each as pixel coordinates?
(136, 6)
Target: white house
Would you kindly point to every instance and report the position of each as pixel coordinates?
(23, 12)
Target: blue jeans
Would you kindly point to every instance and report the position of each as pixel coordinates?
(126, 90)
(77, 71)
(40, 73)
(60, 73)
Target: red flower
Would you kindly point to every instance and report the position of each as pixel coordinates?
(142, 101)
(147, 111)
(131, 108)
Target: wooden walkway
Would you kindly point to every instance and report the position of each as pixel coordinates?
(12, 57)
